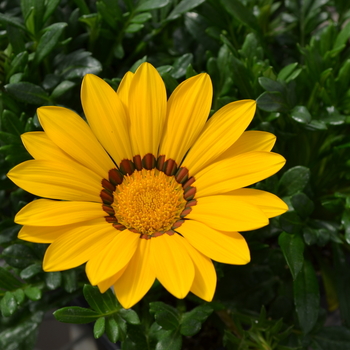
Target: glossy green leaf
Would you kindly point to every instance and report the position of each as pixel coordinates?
(302, 204)
(75, 314)
(171, 340)
(8, 304)
(19, 296)
(18, 255)
(294, 180)
(31, 271)
(271, 85)
(272, 102)
(28, 93)
(146, 5)
(180, 65)
(141, 18)
(130, 316)
(102, 303)
(291, 222)
(53, 280)
(8, 281)
(33, 293)
(165, 315)
(286, 71)
(70, 283)
(182, 7)
(134, 27)
(135, 339)
(50, 7)
(112, 329)
(62, 88)
(99, 327)
(301, 115)
(306, 297)
(293, 250)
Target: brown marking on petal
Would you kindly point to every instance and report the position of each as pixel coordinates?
(177, 224)
(157, 234)
(108, 209)
(133, 230)
(127, 166)
(170, 167)
(145, 236)
(108, 186)
(111, 219)
(138, 162)
(170, 232)
(115, 177)
(160, 162)
(188, 183)
(191, 203)
(186, 212)
(181, 175)
(106, 197)
(189, 193)
(149, 161)
(119, 227)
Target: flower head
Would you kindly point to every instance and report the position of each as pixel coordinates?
(148, 188)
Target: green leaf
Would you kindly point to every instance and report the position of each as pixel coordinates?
(19, 332)
(33, 293)
(240, 12)
(285, 72)
(342, 278)
(137, 64)
(12, 20)
(18, 63)
(18, 255)
(345, 221)
(291, 222)
(28, 93)
(301, 115)
(122, 326)
(112, 329)
(70, 282)
(31, 271)
(302, 204)
(62, 88)
(8, 281)
(53, 280)
(48, 41)
(191, 322)
(99, 327)
(294, 180)
(130, 316)
(165, 315)
(171, 340)
(102, 303)
(50, 7)
(332, 338)
(135, 339)
(272, 102)
(146, 5)
(19, 296)
(76, 314)
(342, 37)
(141, 18)
(271, 85)
(11, 123)
(134, 27)
(293, 250)
(182, 7)
(180, 65)
(8, 304)
(306, 297)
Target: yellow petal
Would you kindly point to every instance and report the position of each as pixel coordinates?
(188, 110)
(172, 264)
(43, 212)
(108, 283)
(124, 89)
(250, 141)
(77, 246)
(138, 277)
(222, 130)
(68, 181)
(225, 248)
(147, 110)
(41, 147)
(44, 234)
(204, 282)
(106, 116)
(270, 204)
(237, 172)
(109, 260)
(227, 213)
(69, 132)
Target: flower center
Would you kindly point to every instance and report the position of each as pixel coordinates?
(148, 201)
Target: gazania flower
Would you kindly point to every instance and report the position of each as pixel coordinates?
(148, 188)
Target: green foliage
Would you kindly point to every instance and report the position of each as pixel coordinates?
(293, 57)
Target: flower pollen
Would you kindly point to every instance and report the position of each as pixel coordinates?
(148, 201)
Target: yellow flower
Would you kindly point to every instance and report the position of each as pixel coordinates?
(148, 188)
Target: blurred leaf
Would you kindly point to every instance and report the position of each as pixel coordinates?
(50, 7)
(271, 85)
(291, 222)
(102, 303)
(286, 71)
(306, 297)
(19, 296)
(8, 281)
(293, 250)
(302, 204)
(137, 64)
(70, 282)
(135, 339)
(133, 27)
(99, 327)
(19, 255)
(130, 316)
(180, 65)
(12, 20)
(191, 322)
(343, 36)
(301, 115)
(146, 5)
(345, 220)
(17, 333)
(294, 180)
(8, 304)
(141, 18)
(76, 315)
(165, 315)
(33, 293)
(48, 41)
(182, 7)
(332, 338)
(171, 340)
(28, 93)
(62, 88)
(272, 102)
(31, 271)
(53, 280)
